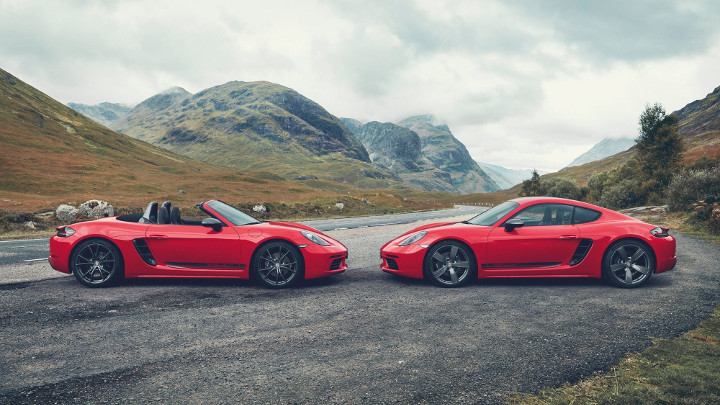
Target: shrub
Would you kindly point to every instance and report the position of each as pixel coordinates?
(626, 193)
(563, 188)
(692, 186)
(707, 212)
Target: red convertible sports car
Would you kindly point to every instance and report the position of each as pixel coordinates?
(534, 237)
(228, 244)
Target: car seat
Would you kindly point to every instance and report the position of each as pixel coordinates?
(175, 216)
(163, 216)
(150, 214)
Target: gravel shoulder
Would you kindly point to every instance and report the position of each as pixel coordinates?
(360, 337)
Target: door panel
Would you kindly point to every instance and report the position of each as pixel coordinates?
(194, 247)
(531, 248)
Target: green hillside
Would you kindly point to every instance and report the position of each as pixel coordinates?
(698, 125)
(255, 126)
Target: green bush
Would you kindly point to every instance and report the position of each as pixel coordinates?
(563, 188)
(625, 193)
(693, 186)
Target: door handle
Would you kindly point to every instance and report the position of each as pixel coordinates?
(567, 237)
(157, 236)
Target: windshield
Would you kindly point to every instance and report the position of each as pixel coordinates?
(232, 214)
(494, 214)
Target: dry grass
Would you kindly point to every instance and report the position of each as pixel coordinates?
(672, 371)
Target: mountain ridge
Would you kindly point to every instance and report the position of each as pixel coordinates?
(51, 153)
(601, 150)
(256, 125)
(424, 153)
(698, 125)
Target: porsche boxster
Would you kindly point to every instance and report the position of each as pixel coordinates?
(226, 244)
(534, 237)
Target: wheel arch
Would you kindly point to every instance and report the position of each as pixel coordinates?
(95, 237)
(462, 242)
(271, 240)
(635, 239)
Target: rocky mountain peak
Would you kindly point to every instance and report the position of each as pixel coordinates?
(175, 90)
(254, 125)
(423, 152)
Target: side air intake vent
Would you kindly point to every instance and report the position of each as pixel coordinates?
(144, 251)
(581, 251)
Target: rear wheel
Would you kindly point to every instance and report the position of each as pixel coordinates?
(277, 265)
(449, 264)
(96, 263)
(628, 264)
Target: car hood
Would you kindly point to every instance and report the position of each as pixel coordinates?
(293, 225)
(431, 226)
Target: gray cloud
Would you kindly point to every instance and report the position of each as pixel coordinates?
(621, 30)
(501, 73)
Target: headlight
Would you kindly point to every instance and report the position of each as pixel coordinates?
(412, 238)
(314, 238)
(64, 231)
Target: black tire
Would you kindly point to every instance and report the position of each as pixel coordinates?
(277, 265)
(450, 264)
(97, 263)
(628, 264)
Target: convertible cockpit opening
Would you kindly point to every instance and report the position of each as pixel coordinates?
(159, 214)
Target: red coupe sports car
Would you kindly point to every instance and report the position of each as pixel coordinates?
(534, 237)
(228, 244)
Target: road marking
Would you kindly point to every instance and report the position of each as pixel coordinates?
(23, 240)
(34, 260)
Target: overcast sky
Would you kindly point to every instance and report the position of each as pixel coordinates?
(522, 84)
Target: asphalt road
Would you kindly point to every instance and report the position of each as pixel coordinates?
(23, 251)
(360, 337)
(378, 220)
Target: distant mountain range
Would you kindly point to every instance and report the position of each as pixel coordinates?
(606, 147)
(255, 126)
(266, 126)
(506, 178)
(423, 153)
(49, 154)
(104, 113)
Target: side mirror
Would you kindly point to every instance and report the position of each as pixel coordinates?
(213, 223)
(511, 224)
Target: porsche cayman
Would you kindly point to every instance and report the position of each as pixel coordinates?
(534, 237)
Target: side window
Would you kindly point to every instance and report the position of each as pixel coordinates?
(585, 215)
(546, 214)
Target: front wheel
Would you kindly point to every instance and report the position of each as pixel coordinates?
(96, 263)
(628, 264)
(449, 264)
(277, 265)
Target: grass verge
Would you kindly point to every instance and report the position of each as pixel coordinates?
(672, 371)
(684, 370)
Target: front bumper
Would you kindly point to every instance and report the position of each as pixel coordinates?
(321, 261)
(404, 261)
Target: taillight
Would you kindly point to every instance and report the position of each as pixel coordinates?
(660, 232)
(64, 231)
